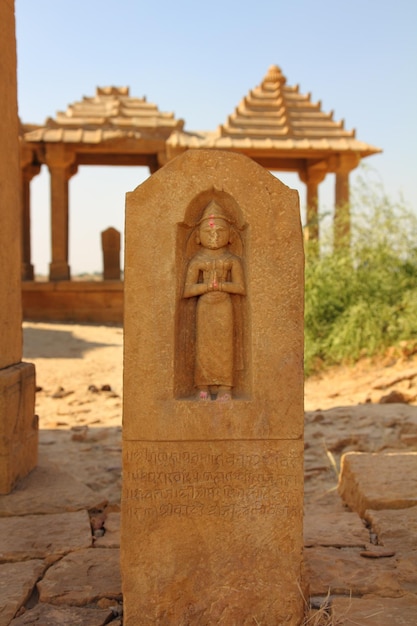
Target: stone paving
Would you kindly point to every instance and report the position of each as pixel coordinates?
(59, 530)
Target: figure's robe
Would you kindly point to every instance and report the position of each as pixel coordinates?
(214, 340)
(215, 333)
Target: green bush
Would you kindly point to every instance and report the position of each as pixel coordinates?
(362, 298)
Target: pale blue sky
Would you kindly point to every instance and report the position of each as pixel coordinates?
(198, 60)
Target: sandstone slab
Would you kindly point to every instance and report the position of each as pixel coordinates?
(345, 572)
(219, 522)
(378, 481)
(38, 536)
(49, 615)
(333, 526)
(396, 529)
(375, 611)
(407, 570)
(213, 396)
(95, 461)
(82, 577)
(17, 581)
(48, 490)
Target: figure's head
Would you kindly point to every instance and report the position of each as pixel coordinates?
(214, 227)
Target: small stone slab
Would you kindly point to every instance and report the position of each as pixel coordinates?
(345, 572)
(333, 526)
(16, 583)
(378, 481)
(396, 529)
(48, 615)
(48, 490)
(375, 611)
(111, 538)
(38, 536)
(82, 577)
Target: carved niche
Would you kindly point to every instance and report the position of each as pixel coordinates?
(212, 333)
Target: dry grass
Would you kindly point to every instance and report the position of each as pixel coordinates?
(323, 616)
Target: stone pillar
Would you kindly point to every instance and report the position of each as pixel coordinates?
(18, 425)
(28, 172)
(345, 163)
(110, 243)
(61, 166)
(312, 177)
(212, 501)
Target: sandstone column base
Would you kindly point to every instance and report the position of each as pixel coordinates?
(18, 424)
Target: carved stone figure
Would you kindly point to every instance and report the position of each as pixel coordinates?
(213, 274)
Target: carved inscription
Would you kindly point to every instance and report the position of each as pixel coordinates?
(197, 484)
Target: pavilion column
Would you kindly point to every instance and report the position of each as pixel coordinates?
(62, 167)
(345, 164)
(27, 173)
(312, 177)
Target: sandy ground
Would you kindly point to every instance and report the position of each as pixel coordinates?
(78, 373)
(79, 377)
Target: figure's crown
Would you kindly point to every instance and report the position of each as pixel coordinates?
(214, 211)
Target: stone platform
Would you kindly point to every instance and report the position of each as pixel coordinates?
(59, 531)
(87, 301)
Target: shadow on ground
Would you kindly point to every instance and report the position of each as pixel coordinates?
(56, 343)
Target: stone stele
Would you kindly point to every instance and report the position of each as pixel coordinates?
(212, 501)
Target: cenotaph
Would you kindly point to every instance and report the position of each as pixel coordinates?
(110, 244)
(212, 502)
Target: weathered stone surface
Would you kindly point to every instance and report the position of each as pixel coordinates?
(18, 424)
(375, 611)
(10, 175)
(16, 583)
(163, 213)
(344, 571)
(366, 428)
(82, 577)
(48, 490)
(407, 570)
(96, 462)
(333, 526)
(18, 428)
(48, 615)
(96, 302)
(110, 242)
(378, 481)
(37, 536)
(396, 529)
(111, 538)
(213, 452)
(229, 531)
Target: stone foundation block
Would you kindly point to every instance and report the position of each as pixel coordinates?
(18, 424)
(378, 481)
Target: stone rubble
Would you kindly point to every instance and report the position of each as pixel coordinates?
(363, 568)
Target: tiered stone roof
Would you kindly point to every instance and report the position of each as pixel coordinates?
(275, 117)
(274, 124)
(111, 114)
